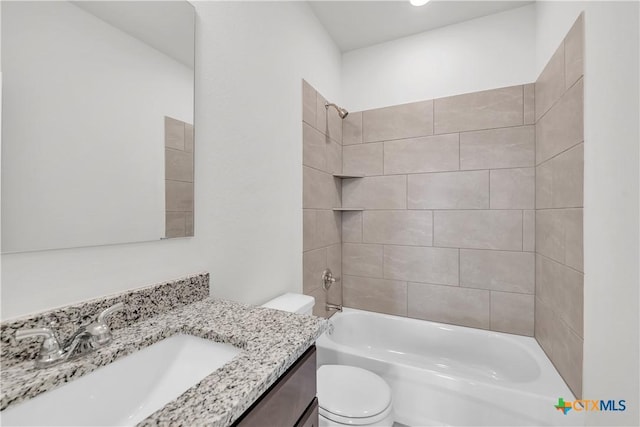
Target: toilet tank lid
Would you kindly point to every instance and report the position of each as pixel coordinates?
(291, 302)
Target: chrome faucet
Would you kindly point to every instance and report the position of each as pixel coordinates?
(86, 339)
(333, 307)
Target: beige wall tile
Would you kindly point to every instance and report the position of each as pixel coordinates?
(188, 138)
(498, 148)
(550, 234)
(352, 227)
(379, 295)
(550, 85)
(319, 308)
(529, 104)
(314, 148)
(398, 227)
(313, 264)
(352, 129)
(334, 262)
(329, 227)
(545, 321)
(173, 133)
(334, 295)
(563, 125)
(334, 157)
(568, 178)
(420, 264)
(398, 121)
(574, 243)
(308, 103)
(309, 229)
(513, 188)
(449, 304)
(427, 154)
(512, 313)
(175, 224)
(449, 190)
(363, 159)
(498, 270)
(559, 235)
(179, 196)
(529, 230)
(189, 224)
(319, 190)
(567, 356)
(362, 260)
(321, 114)
(178, 165)
(574, 52)
(479, 229)
(561, 288)
(544, 185)
(334, 125)
(376, 192)
(479, 110)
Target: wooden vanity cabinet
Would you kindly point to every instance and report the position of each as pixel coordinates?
(291, 401)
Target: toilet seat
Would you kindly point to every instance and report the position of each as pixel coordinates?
(351, 395)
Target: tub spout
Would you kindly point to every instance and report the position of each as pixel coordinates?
(333, 307)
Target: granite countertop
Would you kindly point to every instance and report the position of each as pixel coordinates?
(271, 341)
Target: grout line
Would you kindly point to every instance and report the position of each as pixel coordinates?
(442, 171)
(561, 152)
(433, 116)
(523, 101)
(433, 228)
(560, 263)
(559, 98)
(489, 185)
(459, 268)
(560, 208)
(453, 132)
(523, 230)
(490, 314)
(517, 251)
(459, 154)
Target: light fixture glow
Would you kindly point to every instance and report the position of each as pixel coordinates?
(418, 2)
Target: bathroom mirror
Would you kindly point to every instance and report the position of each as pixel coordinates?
(97, 115)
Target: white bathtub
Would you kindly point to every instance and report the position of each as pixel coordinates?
(450, 375)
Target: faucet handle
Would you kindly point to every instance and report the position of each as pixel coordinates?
(50, 351)
(102, 317)
(99, 330)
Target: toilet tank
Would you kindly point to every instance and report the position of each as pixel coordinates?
(293, 303)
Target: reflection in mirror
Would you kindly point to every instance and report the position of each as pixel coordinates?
(97, 101)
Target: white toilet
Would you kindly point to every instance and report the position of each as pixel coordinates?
(347, 395)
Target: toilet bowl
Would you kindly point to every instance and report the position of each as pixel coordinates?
(347, 395)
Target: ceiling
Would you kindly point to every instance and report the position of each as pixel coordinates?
(167, 26)
(357, 24)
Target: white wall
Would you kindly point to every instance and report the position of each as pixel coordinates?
(250, 59)
(83, 129)
(484, 53)
(611, 213)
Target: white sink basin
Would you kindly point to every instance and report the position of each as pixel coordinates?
(128, 390)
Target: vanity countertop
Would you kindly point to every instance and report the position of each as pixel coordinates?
(271, 341)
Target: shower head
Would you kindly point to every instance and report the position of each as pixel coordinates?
(341, 111)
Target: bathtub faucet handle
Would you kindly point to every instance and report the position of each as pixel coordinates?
(328, 279)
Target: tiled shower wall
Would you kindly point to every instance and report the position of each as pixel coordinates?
(321, 192)
(178, 158)
(559, 203)
(447, 227)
